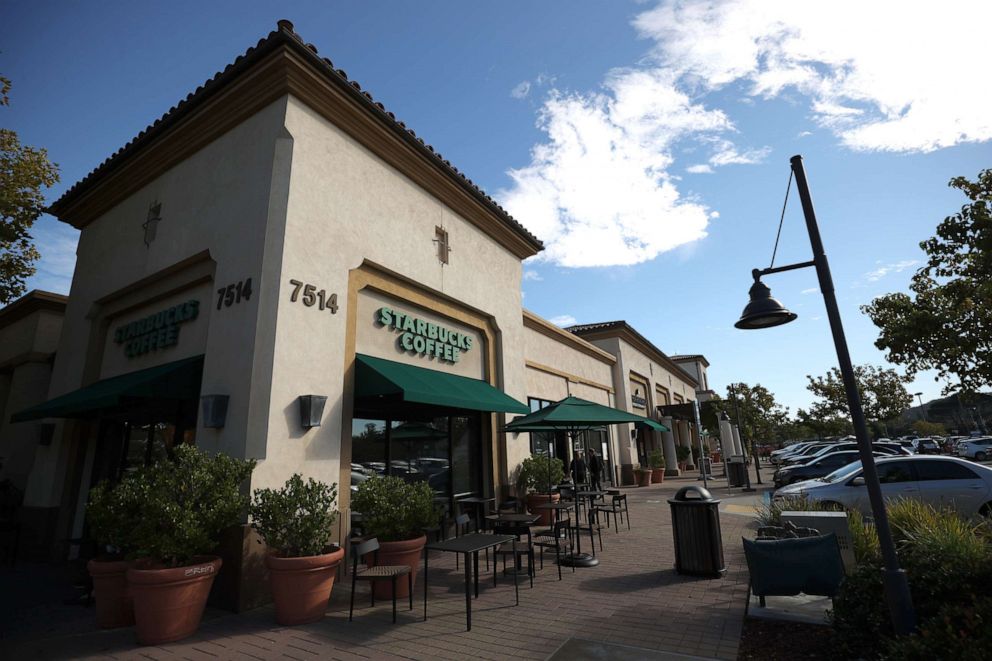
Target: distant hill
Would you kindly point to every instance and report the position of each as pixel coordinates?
(959, 415)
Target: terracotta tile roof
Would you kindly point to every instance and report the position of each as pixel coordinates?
(579, 328)
(286, 35)
(646, 345)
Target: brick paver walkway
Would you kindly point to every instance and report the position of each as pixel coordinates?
(634, 598)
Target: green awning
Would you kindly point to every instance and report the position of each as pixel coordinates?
(574, 414)
(651, 424)
(172, 381)
(378, 378)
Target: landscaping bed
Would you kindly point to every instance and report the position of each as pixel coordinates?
(778, 640)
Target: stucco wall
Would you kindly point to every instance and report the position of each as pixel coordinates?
(216, 201)
(346, 207)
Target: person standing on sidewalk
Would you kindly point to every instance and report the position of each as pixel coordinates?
(595, 470)
(578, 468)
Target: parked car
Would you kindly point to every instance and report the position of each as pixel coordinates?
(776, 455)
(978, 449)
(807, 451)
(877, 448)
(818, 467)
(926, 446)
(941, 481)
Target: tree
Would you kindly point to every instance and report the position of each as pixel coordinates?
(24, 172)
(946, 324)
(925, 428)
(810, 424)
(883, 395)
(761, 416)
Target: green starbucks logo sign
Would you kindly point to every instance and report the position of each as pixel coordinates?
(423, 337)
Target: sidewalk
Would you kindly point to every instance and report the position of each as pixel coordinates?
(633, 598)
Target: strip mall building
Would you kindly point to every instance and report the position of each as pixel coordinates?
(275, 239)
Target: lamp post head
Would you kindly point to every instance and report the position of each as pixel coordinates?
(763, 311)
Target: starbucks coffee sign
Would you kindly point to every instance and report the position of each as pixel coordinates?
(422, 337)
(156, 331)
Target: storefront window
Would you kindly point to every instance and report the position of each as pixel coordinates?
(445, 452)
(466, 454)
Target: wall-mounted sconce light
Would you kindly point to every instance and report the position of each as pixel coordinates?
(311, 410)
(214, 410)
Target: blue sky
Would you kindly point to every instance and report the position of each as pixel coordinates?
(647, 143)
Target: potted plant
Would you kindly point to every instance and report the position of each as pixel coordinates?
(657, 461)
(682, 454)
(642, 475)
(536, 478)
(185, 501)
(396, 512)
(295, 522)
(111, 519)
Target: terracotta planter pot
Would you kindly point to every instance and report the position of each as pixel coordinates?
(657, 475)
(535, 499)
(168, 603)
(301, 587)
(405, 552)
(643, 478)
(113, 600)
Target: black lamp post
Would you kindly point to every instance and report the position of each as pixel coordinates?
(763, 311)
(923, 410)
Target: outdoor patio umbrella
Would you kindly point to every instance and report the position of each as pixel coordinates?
(573, 415)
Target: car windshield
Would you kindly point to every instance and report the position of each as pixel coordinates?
(843, 473)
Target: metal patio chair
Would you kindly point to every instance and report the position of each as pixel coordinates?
(374, 574)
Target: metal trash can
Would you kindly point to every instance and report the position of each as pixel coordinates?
(736, 473)
(696, 529)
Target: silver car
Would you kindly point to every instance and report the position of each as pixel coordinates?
(940, 481)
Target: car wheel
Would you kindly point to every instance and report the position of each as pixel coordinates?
(980, 456)
(986, 510)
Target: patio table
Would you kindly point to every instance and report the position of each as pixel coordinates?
(469, 545)
(477, 503)
(526, 519)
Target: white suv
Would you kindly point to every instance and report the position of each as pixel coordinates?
(978, 449)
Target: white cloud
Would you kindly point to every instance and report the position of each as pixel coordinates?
(600, 189)
(521, 90)
(531, 274)
(884, 270)
(563, 320)
(888, 76)
(811, 290)
(57, 244)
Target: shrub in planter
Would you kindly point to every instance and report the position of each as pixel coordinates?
(296, 523)
(535, 476)
(948, 561)
(682, 453)
(657, 461)
(642, 475)
(111, 518)
(957, 631)
(396, 512)
(185, 503)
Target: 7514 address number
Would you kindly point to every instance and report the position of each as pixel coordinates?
(311, 296)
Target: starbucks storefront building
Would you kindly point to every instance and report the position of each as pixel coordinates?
(276, 239)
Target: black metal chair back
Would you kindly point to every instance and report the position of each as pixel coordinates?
(363, 549)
